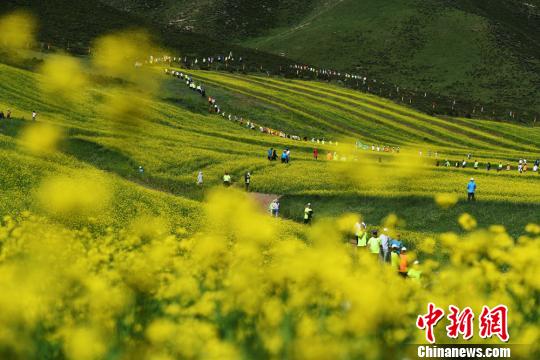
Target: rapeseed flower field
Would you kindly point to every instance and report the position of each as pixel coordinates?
(243, 289)
(110, 250)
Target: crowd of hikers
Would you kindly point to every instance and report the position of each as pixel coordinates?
(285, 155)
(356, 81)
(215, 108)
(196, 61)
(382, 148)
(329, 74)
(522, 165)
(387, 250)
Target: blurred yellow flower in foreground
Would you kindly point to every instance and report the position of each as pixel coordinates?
(17, 31)
(242, 285)
(84, 193)
(63, 76)
(41, 138)
(533, 229)
(84, 344)
(445, 200)
(467, 222)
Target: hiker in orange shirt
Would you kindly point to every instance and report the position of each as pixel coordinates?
(403, 262)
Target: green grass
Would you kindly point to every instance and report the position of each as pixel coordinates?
(74, 25)
(481, 50)
(347, 113)
(177, 137)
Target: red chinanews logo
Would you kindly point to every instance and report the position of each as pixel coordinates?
(491, 322)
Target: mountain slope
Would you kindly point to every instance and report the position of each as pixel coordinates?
(223, 19)
(482, 50)
(423, 45)
(76, 23)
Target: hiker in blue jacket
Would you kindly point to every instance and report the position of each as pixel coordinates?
(284, 157)
(471, 189)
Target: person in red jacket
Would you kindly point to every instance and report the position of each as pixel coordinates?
(315, 153)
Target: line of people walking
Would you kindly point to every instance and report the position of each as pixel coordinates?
(522, 165)
(215, 108)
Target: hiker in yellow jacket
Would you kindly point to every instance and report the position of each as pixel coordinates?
(394, 258)
(308, 214)
(374, 244)
(361, 234)
(414, 272)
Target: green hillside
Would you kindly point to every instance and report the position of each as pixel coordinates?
(178, 137)
(223, 19)
(454, 50)
(478, 52)
(73, 25)
(484, 51)
(110, 250)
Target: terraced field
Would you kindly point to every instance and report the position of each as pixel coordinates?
(352, 114)
(176, 137)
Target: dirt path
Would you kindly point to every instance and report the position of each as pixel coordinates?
(264, 200)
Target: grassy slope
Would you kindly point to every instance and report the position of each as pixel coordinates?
(461, 51)
(485, 50)
(480, 50)
(77, 23)
(318, 109)
(223, 19)
(178, 137)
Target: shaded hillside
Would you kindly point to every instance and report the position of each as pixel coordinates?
(482, 50)
(223, 19)
(74, 24)
(478, 51)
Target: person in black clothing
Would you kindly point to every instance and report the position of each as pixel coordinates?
(488, 167)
